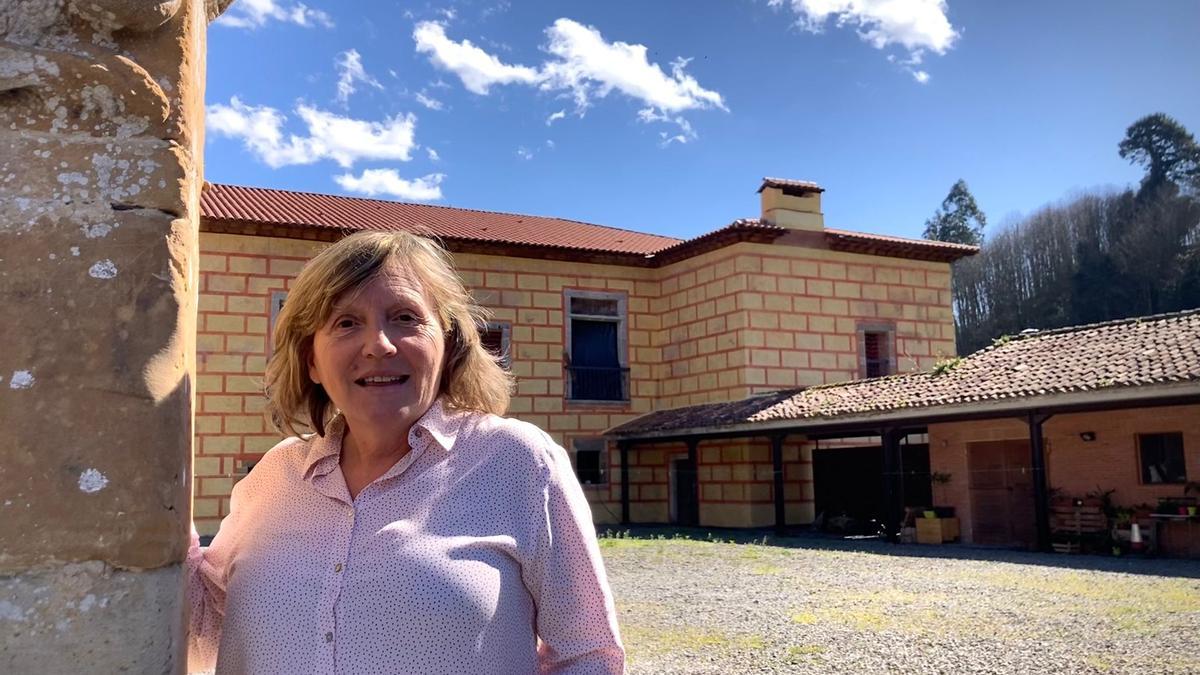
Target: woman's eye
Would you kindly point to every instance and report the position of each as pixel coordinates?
(405, 317)
(344, 323)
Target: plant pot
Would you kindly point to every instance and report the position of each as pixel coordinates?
(1183, 510)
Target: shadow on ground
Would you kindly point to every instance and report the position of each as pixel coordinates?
(818, 541)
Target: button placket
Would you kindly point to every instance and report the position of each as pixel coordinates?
(339, 552)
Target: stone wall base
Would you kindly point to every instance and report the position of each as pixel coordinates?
(91, 618)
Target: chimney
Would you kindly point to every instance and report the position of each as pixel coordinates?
(795, 204)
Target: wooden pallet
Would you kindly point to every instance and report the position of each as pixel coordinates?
(1078, 520)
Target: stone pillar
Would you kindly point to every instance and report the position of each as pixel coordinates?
(101, 143)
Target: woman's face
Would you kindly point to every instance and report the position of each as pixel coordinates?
(380, 354)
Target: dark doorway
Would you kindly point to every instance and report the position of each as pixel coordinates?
(1001, 484)
(849, 481)
(683, 493)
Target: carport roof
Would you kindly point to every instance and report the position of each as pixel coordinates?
(1130, 359)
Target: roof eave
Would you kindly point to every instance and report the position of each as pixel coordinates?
(1119, 397)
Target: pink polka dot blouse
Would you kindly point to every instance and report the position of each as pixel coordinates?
(475, 553)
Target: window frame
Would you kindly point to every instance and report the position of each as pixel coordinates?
(277, 300)
(888, 333)
(602, 454)
(1143, 469)
(505, 330)
(622, 321)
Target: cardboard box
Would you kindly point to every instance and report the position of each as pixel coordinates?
(949, 529)
(936, 530)
(929, 530)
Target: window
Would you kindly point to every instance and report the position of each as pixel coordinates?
(1161, 458)
(875, 351)
(596, 347)
(277, 298)
(589, 461)
(495, 338)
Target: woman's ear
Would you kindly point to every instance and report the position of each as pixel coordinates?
(310, 362)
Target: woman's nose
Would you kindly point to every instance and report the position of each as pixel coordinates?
(379, 344)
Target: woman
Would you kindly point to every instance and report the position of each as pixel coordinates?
(416, 530)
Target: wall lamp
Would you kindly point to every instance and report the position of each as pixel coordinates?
(1087, 436)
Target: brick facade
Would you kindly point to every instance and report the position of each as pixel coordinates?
(1073, 465)
(723, 325)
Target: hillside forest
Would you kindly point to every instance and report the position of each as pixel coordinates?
(1096, 256)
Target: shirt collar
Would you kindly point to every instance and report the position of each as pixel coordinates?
(441, 424)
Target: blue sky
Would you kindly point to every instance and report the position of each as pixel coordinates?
(663, 116)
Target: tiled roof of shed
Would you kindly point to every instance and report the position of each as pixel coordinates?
(1158, 350)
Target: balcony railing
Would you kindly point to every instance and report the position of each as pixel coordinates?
(597, 383)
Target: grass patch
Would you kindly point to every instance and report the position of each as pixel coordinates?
(645, 641)
(801, 652)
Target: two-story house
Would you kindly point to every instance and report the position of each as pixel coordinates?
(598, 325)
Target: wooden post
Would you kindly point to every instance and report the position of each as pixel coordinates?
(893, 479)
(623, 447)
(1041, 495)
(777, 461)
(694, 484)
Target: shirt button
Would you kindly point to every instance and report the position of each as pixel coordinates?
(337, 567)
(329, 637)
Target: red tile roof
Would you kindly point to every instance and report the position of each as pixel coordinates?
(900, 247)
(263, 211)
(285, 207)
(1161, 351)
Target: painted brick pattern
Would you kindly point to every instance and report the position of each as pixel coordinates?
(754, 318)
(736, 483)
(720, 326)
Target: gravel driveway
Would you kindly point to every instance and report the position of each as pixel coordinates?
(817, 605)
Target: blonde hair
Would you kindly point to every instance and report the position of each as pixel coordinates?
(471, 377)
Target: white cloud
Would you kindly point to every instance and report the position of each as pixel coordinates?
(256, 13)
(549, 144)
(433, 155)
(350, 71)
(477, 69)
(429, 101)
(583, 65)
(686, 133)
(524, 152)
(373, 182)
(330, 136)
(915, 25)
(590, 67)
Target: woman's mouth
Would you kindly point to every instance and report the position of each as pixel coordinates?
(381, 380)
